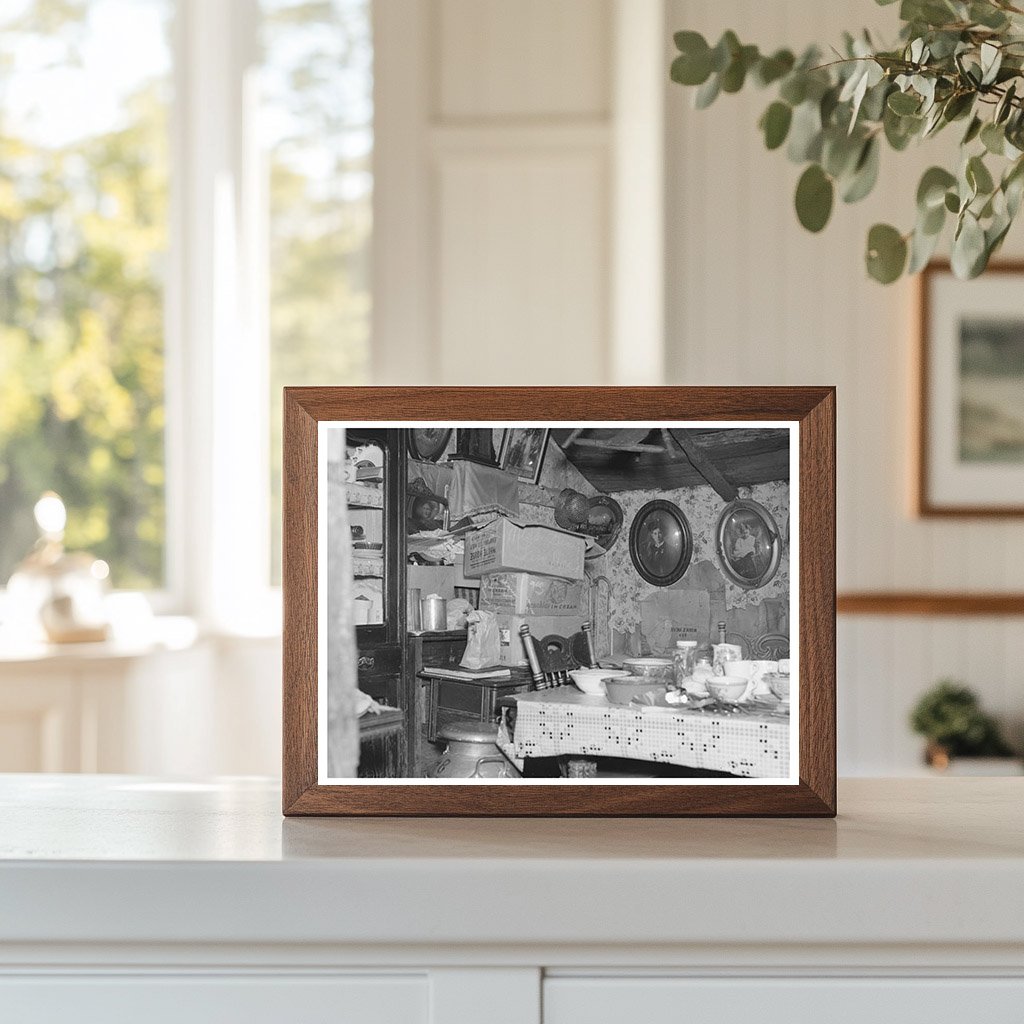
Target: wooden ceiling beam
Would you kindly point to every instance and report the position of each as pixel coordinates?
(707, 469)
(609, 446)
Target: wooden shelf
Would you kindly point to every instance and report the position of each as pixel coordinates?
(914, 603)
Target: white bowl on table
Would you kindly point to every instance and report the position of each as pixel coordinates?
(591, 680)
(730, 688)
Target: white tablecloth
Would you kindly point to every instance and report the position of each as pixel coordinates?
(565, 721)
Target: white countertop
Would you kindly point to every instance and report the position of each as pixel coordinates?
(119, 859)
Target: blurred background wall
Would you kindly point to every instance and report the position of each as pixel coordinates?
(420, 191)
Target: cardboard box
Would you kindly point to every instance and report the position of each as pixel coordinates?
(526, 593)
(506, 545)
(511, 650)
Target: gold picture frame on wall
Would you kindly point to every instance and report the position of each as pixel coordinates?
(803, 783)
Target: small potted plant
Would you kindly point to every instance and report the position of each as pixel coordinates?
(950, 717)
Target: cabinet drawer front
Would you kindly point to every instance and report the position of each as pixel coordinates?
(783, 1001)
(216, 1000)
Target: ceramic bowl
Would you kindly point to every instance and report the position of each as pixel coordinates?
(591, 680)
(654, 670)
(778, 683)
(622, 689)
(727, 687)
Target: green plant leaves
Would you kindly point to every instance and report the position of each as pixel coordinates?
(693, 65)
(978, 176)
(814, 195)
(904, 103)
(865, 173)
(775, 122)
(993, 138)
(771, 69)
(969, 255)
(932, 189)
(887, 253)
(805, 133)
(956, 60)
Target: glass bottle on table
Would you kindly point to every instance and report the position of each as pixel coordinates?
(683, 662)
(703, 667)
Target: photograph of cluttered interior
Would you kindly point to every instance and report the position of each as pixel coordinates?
(536, 602)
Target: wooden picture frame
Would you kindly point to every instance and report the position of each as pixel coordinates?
(810, 415)
(512, 462)
(766, 541)
(954, 478)
(660, 542)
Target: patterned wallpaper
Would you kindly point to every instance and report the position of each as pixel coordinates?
(702, 508)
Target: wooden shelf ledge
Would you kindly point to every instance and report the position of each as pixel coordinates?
(929, 603)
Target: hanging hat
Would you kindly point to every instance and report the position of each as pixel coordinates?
(571, 509)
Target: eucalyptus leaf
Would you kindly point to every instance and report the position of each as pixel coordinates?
(814, 195)
(771, 69)
(958, 105)
(968, 247)
(922, 247)
(900, 130)
(932, 221)
(724, 51)
(886, 253)
(707, 93)
(735, 74)
(805, 133)
(904, 103)
(840, 152)
(775, 124)
(993, 138)
(978, 176)
(991, 60)
(987, 15)
(931, 190)
(865, 173)
(1005, 105)
(794, 88)
(873, 106)
(973, 130)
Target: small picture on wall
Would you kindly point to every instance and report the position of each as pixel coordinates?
(971, 393)
(749, 544)
(992, 389)
(522, 452)
(660, 543)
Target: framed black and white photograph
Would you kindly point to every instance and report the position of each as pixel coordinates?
(660, 542)
(428, 443)
(749, 544)
(522, 452)
(499, 660)
(970, 451)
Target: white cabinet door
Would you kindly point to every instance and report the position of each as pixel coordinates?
(202, 999)
(589, 1000)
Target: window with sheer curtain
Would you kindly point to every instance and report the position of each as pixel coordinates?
(100, 163)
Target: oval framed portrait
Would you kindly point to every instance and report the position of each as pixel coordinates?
(428, 443)
(660, 542)
(749, 544)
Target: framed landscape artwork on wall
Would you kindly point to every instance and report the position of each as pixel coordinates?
(516, 653)
(970, 451)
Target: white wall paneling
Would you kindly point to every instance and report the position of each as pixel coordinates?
(751, 298)
(518, 200)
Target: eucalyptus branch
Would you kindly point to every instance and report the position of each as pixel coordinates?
(833, 117)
